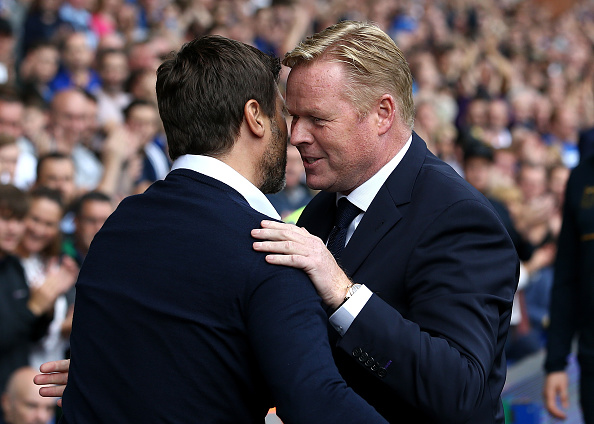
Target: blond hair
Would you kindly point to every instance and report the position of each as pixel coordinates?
(373, 64)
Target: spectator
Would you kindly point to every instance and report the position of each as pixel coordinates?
(38, 69)
(74, 12)
(39, 252)
(11, 124)
(133, 157)
(563, 134)
(20, 324)
(478, 171)
(112, 98)
(447, 147)
(76, 57)
(43, 24)
(142, 119)
(141, 84)
(56, 171)
(104, 17)
(21, 401)
(90, 212)
(7, 49)
(498, 134)
(539, 205)
(9, 155)
(68, 126)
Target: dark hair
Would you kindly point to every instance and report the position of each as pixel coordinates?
(6, 29)
(9, 94)
(103, 53)
(14, 203)
(136, 102)
(478, 149)
(96, 196)
(202, 91)
(49, 156)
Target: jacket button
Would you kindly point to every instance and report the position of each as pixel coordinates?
(381, 373)
(363, 357)
(375, 367)
(357, 352)
(370, 362)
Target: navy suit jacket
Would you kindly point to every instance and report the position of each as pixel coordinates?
(443, 271)
(178, 320)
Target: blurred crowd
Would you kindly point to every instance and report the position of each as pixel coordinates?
(503, 92)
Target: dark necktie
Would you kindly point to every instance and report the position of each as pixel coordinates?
(345, 213)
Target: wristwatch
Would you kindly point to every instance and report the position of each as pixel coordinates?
(351, 291)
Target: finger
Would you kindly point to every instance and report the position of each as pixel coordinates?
(277, 235)
(52, 391)
(551, 404)
(60, 366)
(281, 247)
(277, 225)
(564, 397)
(294, 261)
(54, 378)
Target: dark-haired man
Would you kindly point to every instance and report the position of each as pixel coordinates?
(172, 300)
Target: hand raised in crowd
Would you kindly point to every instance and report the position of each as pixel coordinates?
(60, 278)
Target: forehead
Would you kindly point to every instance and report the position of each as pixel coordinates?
(57, 167)
(69, 102)
(11, 149)
(311, 84)
(115, 58)
(11, 108)
(143, 112)
(96, 207)
(43, 204)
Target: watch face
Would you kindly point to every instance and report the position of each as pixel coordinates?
(353, 289)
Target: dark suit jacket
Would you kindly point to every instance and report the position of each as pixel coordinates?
(586, 143)
(443, 271)
(179, 320)
(572, 295)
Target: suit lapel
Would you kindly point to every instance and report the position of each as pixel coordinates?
(318, 215)
(381, 216)
(383, 213)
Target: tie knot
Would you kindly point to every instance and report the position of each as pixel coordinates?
(345, 213)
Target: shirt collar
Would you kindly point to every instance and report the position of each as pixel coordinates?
(363, 195)
(219, 170)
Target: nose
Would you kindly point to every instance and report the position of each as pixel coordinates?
(300, 133)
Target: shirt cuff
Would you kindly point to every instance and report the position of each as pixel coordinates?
(344, 316)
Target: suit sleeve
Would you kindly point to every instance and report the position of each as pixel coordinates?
(564, 293)
(288, 329)
(460, 280)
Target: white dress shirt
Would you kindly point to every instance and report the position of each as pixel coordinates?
(219, 170)
(362, 197)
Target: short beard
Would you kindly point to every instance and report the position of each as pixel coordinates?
(273, 164)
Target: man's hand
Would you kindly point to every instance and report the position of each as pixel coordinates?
(56, 373)
(556, 385)
(296, 247)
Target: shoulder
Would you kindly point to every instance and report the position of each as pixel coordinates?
(437, 181)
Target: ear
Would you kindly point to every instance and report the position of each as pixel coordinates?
(386, 111)
(254, 117)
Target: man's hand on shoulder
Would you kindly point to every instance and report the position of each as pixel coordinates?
(294, 246)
